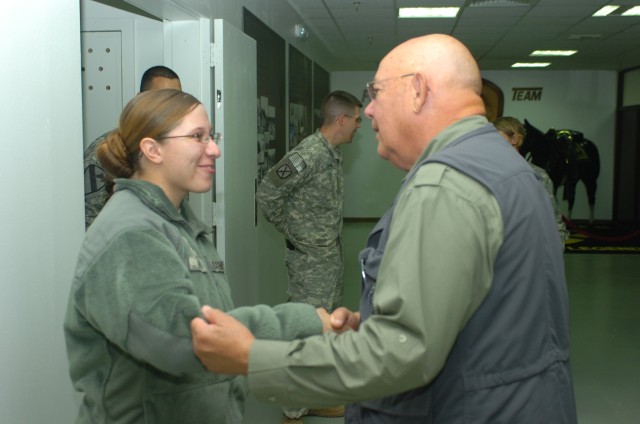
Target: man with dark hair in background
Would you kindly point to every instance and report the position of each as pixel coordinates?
(303, 195)
(97, 184)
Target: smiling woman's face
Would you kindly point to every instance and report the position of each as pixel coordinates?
(188, 164)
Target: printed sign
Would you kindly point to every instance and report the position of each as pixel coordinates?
(527, 94)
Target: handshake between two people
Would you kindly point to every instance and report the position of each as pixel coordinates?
(222, 343)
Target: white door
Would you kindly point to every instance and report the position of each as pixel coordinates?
(234, 104)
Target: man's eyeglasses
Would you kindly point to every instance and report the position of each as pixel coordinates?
(202, 138)
(373, 91)
(357, 118)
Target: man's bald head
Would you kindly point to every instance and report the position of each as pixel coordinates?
(442, 58)
(422, 86)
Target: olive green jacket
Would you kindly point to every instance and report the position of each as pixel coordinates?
(143, 273)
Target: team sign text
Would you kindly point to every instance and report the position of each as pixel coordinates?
(530, 94)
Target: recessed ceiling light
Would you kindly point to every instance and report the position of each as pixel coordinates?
(428, 12)
(634, 11)
(530, 64)
(499, 3)
(553, 52)
(606, 10)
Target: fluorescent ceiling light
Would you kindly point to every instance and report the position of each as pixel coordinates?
(553, 52)
(428, 12)
(634, 11)
(606, 10)
(530, 64)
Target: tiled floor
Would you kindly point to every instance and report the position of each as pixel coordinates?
(604, 292)
(605, 319)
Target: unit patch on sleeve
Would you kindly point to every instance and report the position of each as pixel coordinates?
(284, 171)
(290, 165)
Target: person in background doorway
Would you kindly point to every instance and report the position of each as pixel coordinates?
(303, 196)
(145, 269)
(514, 132)
(464, 310)
(98, 186)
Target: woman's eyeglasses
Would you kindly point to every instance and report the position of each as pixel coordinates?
(200, 137)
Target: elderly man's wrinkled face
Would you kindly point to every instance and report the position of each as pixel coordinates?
(386, 110)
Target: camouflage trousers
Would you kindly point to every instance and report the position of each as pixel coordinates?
(316, 278)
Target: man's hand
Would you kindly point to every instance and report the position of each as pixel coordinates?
(325, 318)
(343, 319)
(222, 343)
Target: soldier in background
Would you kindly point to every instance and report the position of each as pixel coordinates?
(302, 195)
(98, 186)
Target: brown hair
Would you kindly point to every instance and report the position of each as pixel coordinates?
(338, 102)
(150, 114)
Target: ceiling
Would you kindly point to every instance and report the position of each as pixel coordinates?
(499, 33)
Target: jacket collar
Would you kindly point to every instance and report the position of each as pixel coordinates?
(154, 197)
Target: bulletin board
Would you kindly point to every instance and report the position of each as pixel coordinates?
(300, 96)
(271, 73)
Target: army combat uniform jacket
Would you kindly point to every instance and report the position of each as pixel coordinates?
(303, 197)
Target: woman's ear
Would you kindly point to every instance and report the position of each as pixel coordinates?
(420, 90)
(150, 149)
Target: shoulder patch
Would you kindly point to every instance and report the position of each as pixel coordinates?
(291, 165)
(297, 161)
(284, 171)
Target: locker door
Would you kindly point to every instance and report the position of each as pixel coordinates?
(101, 82)
(101, 93)
(234, 106)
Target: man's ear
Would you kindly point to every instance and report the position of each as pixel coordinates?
(151, 150)
(420, 91)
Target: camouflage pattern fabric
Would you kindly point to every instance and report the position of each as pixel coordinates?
(548, 185)
(303, 195)
(315, 276)
(95, 193)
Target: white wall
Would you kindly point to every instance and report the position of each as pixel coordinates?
(42, 213)
(578, 100)
(370, 183)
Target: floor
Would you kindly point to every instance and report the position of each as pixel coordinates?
(605, 319)
(604, 293)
